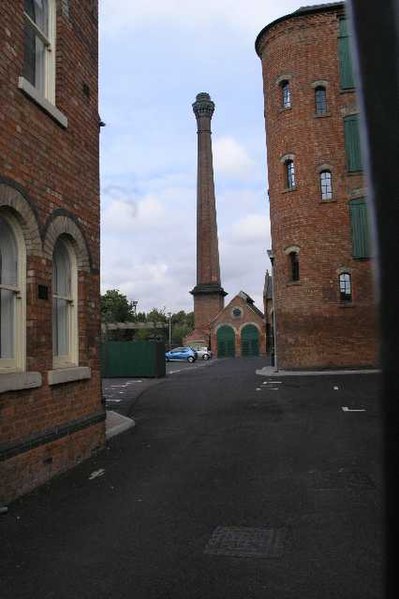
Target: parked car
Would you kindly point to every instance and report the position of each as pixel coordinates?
(203, 353)
(181, 354)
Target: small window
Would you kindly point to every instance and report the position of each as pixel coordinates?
(290, 174)
(39, 42)
(321, 100)
(294, 266)
(285, 94)
(65, 337)
(326, 185)
(345, 287)
(12, 300)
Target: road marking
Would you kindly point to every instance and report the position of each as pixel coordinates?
(346, 409)
(97, 473)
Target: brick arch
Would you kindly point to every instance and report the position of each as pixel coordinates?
(63, 223)
(14, 199)
(250, 322)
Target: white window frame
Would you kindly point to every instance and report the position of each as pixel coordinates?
(345, 286)
(18, 362)
(70, 359)
(285, 87)
(290, 173)
(326, 184)
(49, 54)
(46, 98)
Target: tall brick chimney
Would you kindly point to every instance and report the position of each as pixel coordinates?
(208, 292)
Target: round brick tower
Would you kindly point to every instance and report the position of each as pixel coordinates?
(322, 267)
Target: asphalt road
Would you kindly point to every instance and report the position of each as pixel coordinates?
(230, 486)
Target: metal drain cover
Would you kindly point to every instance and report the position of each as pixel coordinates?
(235, 541)
(342, 479)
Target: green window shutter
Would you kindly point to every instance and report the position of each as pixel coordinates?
(359, 228)
(352, 143)
(345, 60)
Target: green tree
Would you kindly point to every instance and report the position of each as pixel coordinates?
(115, 307)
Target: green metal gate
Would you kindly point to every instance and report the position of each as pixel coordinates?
(250, 340)
(226, 342)
(133, 359)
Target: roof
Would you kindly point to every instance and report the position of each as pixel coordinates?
(303, 10)
(247, 299)
(317, 7)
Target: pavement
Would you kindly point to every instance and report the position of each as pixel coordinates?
(273, 372)
(232, 485)
(122, 394)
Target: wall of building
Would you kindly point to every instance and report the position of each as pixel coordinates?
(49, 182)
(314, 328)
(248, 315)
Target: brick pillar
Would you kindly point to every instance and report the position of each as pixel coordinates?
(208, 292)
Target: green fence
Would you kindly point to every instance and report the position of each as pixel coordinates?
(132, 359)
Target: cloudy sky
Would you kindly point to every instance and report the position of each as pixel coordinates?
(155, 56)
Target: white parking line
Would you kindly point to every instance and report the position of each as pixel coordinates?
(346, 409)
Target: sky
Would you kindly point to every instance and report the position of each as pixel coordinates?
(155, 57)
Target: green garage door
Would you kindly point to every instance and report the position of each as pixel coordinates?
(226, 342)
(250, 341)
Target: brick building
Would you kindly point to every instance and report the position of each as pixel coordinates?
(322, 267)
(239, 329)
(51, 414)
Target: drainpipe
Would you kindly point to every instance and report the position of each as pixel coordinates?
(271, 257)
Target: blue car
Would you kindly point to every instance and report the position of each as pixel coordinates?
(185, 354)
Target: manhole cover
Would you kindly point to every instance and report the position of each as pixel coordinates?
(342, 479)
(246, 542)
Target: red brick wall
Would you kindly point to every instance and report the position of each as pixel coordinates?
(206, 307)
(313, 328)
(54, 168)
(248, 317)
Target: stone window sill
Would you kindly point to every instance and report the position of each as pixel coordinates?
(331, 201)
(289, 189)
(294, 283)
(68, 375)
(32, 93)
(346, 305)
(321, 115)
(16, 381)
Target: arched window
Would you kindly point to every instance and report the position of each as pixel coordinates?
(285, 94)
(320, 99)
(294, 266)
(65, 334)
(12, 296)
(290, 173)
(345, 287)
(39, 46)
(326, 189)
